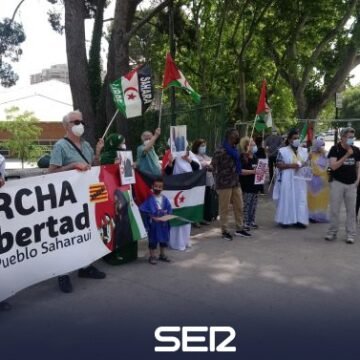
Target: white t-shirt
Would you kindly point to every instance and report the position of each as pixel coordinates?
(159, 201)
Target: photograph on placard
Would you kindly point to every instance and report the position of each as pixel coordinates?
(126, 166)
(261, 169)
(178, 139)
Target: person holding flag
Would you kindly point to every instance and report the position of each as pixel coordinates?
(177, 164)
(146, 158)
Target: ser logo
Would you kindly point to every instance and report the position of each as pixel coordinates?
(176, 338)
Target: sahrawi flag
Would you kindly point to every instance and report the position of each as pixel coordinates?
(307, 131)
(174, 77)
(263, 117)
(186, 193)
(133, 92)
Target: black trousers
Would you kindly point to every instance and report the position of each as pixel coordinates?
(272, 162)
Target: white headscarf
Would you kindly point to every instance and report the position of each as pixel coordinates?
(182, 166)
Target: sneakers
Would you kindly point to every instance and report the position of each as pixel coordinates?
(91, 272)
(350, 240)
(164, 258)
(5, 306)
(330, 237)
(254, 226)
(246, 227)
(152, 260)
(65, 284)
(227, 236)
(242, 233)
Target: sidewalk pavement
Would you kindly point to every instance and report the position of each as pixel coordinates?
(288, 293)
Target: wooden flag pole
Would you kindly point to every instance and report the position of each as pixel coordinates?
(111, 121)
(160, 112)
(253, 128)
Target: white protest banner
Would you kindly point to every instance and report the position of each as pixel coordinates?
(261, 171)
(50, 225)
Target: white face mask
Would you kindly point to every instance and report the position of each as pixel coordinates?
(146, 142)
(78, 130)
(122, 147)
(202, 150)
(254, 149)
(296, 143)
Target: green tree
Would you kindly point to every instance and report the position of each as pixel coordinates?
(11, 36)
(351, 103)
(314, 46)
(24, 131)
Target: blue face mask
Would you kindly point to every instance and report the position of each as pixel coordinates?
(254, 149)
(350, 141)
(202, 150)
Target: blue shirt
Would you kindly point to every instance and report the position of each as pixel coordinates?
(148, 161)
(63, 153)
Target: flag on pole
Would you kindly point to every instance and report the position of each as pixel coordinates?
(133, 92)
(263, 117)
(303, 132)
(307, 131)
(174, 77)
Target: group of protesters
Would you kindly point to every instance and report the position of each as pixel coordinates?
(230, 183)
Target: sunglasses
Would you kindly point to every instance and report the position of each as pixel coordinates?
(77, 122)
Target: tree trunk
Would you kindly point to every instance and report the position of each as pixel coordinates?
(95, 55)
(118, 58)
(78, 65)
(242, 93)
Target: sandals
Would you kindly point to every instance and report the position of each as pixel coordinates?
(164, 258)
(152, 260)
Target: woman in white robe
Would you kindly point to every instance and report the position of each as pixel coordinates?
(180, 235)
(290, 190)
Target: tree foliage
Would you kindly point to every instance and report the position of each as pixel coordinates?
(314, 46)
(304, 49)
(11, 37)
(24, 131)
(351, 103)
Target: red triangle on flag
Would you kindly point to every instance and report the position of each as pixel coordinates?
(262, 106)
(171, 71)
(130, 74)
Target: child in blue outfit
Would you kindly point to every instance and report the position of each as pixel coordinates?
(154, 207)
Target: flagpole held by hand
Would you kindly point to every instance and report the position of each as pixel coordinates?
(111, 121)
(253, 128)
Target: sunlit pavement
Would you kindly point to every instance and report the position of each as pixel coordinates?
(290, 282)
